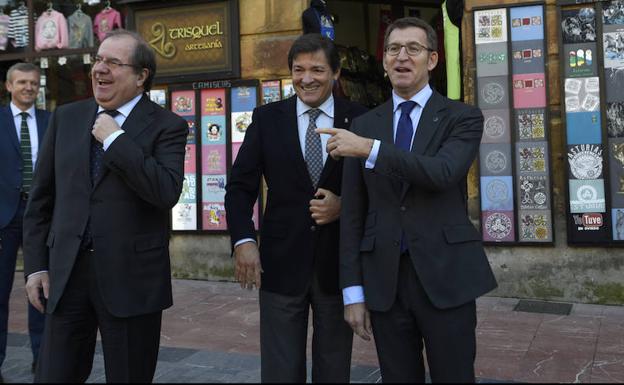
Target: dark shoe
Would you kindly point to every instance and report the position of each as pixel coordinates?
(1, 379)
(33, 367)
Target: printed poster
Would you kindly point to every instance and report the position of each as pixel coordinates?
(213, 160)
(497, 226)
(287, 88)
(613, 46)
(492, 59)
(615, 119)
(529, 90)
(496, 193)
(490, 26)
(532, 157)
(530, 124)
(585, 161)
(184, 216)
(587, 196)
(578, 25)
(527, 23)
(493, 92)
(213, 188)
(243, 103)
(495, 126)
(580, 60)
(582, 94)
(183, 103)
(214, 216)
(213, 102)
(527, 56)
(271, 91)
(618, 223)
(213, 129)
(583, 127)
(535, 226)
(616, 171)
(533, 192)
(495, 159)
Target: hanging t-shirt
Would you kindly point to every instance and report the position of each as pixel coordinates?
(51, 31)
(105, 21)
(18, 27)
(4, 31)
(80, 30)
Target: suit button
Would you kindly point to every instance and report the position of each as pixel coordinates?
(396, 243)
(313, 228)
(403, 208)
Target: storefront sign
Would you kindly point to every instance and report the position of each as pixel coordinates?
(198, 39)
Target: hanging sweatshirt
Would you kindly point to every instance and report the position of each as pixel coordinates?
(105, 21)
(51, 31)
(18, 27)
(4, 31)
(80, 30)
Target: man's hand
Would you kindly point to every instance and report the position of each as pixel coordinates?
(325, 208)
(247, 268)
(34, 285)
(346, 143)
(104, 126)
(358, 318)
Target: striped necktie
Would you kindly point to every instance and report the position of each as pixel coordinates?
(313, 148)
(26, 150)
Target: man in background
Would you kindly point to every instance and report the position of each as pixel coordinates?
(22, 128)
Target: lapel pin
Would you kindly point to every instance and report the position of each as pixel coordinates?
(346, 120)
(435, 118)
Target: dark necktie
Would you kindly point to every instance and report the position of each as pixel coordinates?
(26, 150)
(97, 156)
(403, 140)
(313, 148)
(97, 152)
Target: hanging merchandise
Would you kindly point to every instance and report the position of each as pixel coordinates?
(105, 21)
(80, 29)
(452, 53)
(4, 30)
(385, 19)
(51, 30)
(317, 19)
(18, 26)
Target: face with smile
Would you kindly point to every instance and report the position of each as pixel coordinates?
(312, 77)
(115, 85)
(409, 74)
(23, 87)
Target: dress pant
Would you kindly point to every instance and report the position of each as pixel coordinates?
(130, 345)
(283, 337)
(10, 242)
(448, 335)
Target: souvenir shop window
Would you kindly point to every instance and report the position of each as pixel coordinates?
(514, 155)
(218, 117)
(592, 60)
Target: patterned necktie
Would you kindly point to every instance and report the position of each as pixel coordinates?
(313, 148)
(403, 140)
(26, 150)
(97, 152)
(405, 128)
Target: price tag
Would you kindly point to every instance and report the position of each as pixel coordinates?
(44, 62)
(42, 80)
(86, 58)
(62, 60)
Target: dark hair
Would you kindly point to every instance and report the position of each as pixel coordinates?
(408, 22)
(22, 67)
(313, 42)
(142, 57)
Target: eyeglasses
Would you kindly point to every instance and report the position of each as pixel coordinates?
(111, 63)
(412, 49)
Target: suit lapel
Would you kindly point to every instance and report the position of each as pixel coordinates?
(288, 122)
(139, 119)
(10, 128)
(42, 124)
(341, 120)
(427, 126)
(83, 140)
(383, 126)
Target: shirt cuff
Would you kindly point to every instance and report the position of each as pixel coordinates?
(352, 294)
(244, 240)
(36, 273)
(111, 138)
(372, 157)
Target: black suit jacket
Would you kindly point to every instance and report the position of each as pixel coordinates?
(11, 161)
(129, 205)
(291, 246)
(423, 193)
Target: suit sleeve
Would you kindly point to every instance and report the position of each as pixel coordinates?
(447, 166)
(244, 184)
(40, 207)
(352, 217)
(157, 177)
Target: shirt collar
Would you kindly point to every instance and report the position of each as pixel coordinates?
(421, 97)
(126, 109)
(16, 111)
(327, 107)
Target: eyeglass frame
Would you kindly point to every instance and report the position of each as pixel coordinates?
(421, 48)
(111, 63)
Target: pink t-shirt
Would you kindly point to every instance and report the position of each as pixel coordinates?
(51, 31)
(105, 21)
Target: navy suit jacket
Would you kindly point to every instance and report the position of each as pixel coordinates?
(11, 161)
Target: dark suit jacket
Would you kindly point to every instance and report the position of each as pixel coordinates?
(129, 205)
(11, 161)
(291, 244)
(422, 193)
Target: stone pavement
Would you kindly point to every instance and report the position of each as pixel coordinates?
(211, 335)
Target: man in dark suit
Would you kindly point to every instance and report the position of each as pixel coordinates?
(96, 229)
(296, 266)
(408, 252)
(22, 127)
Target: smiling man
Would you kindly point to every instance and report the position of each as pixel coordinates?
(96, 228)
(411, 262)
(22, 128)
(296, 266)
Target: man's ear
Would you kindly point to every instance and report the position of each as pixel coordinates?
(142, 77)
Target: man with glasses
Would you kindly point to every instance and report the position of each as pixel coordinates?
(411, 262)
(96, 228)
(22, 127)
